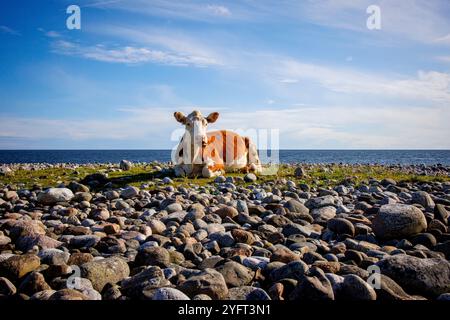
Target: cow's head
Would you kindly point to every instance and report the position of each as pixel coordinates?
(196, 125)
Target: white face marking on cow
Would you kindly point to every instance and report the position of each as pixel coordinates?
(196, 131)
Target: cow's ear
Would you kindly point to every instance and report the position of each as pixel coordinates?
(180, 117)
(212, 117)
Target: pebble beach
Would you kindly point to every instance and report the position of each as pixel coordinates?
(132, 231)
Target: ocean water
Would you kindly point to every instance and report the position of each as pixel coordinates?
(284, 156)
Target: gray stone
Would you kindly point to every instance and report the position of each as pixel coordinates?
(54, 195)
(169, 294)
(324, 213)
(235, 274)
(129, 192)
(125, 165)
(54, 256)
(296, 206)
(422, 198)
(395, 221)
(100, 272)
(250, 177)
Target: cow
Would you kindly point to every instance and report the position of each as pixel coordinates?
(209, 154)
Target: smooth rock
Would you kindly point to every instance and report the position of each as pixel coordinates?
(428, 277)
(395, 221)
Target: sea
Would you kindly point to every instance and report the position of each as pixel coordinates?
(428, 157)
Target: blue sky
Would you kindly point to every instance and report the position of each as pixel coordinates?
(310, 69)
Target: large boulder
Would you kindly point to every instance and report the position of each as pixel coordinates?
(44, 242)
(18, 266)
(109, 270)
(235, 274)
(428, 277)
(397, 221)
(209, 282)
(54, 195)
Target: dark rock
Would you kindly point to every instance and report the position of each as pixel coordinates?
(68, 294)
(7, 288)
(429, 277)
(293, 270)
(422, 198)
(157, 256)
(390, 290)
(209, 282)
(354, 288)
(33, 283)
(227, 212)
(235, 274)
(444, 248)
(441, 213)
(314, 286)
(341, 226)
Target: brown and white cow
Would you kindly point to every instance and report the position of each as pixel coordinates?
(208, 154)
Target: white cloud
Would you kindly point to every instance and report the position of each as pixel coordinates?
(427, 85)
(8, 30)
(164, 40)
(129, 55)
(288, 80)
(219, 10)
(53, 34)
(418, 20)
(443, 58)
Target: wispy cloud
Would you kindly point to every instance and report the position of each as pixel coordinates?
(300, 127)
(443, 58)
(170, 40)
(8, 30)
(129, 55)
(53, 34)
(289, 80)
(418, 20)
(189, 10)
(219, 10)
(426, 85)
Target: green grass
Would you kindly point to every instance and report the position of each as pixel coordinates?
(139, 175)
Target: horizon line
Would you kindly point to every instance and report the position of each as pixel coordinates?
(284, 149)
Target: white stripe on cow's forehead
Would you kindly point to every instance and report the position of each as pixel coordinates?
(195, 115)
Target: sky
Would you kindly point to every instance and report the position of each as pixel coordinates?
(309, 72)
